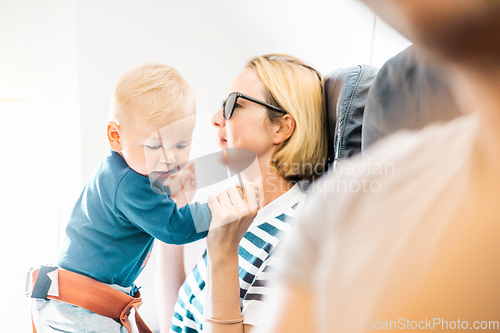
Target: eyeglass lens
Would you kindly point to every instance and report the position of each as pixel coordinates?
(229, 105)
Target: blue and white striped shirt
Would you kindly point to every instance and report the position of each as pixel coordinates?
(256, 256)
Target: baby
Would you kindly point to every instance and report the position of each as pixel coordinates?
(125, 205)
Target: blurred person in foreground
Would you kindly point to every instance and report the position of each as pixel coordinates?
(419, 250)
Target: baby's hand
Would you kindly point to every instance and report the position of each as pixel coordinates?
(183, 185)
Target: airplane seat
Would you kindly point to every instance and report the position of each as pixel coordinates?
(410, 91)
(346, 91)
(365, 104)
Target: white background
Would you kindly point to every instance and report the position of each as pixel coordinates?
(72, 52)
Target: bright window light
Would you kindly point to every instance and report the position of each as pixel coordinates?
(29, 210)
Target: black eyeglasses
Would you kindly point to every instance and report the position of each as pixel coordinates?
(230, 103)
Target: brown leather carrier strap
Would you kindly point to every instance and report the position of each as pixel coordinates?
(95, 296)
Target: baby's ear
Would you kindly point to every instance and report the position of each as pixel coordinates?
(114, 136)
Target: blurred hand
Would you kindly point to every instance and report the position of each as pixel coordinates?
(183, 185)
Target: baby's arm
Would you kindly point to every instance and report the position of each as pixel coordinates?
(157, 214)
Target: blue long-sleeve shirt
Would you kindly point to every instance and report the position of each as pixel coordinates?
(113, 225)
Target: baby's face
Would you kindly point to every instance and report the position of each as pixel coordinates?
(158, 150)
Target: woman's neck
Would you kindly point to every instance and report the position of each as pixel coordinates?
(272, 183)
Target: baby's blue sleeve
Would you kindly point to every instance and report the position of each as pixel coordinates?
(202, 216)
(157, 214)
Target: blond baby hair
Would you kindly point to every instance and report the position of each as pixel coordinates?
(163, 87)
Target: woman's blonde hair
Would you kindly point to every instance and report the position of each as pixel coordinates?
(163, 87)
(298, 89)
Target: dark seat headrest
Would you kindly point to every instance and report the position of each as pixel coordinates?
(409, 92)
(346, 90)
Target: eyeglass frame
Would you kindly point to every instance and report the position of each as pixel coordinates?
(251, 99)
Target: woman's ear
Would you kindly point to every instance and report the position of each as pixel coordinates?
(283, 129)
(114, 136)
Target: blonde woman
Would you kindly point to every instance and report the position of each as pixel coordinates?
(276, 108)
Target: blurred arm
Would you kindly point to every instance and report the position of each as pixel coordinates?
(170, 276)
(292, 310)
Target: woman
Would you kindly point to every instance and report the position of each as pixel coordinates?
(275, 108)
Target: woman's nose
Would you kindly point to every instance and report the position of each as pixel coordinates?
(218, 120)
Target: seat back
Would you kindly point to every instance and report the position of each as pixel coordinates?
(364, 104)
(346, 90)
(410, 91)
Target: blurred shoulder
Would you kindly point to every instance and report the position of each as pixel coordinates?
(405, 166)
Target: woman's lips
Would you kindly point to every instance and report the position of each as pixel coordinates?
(221, 141)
